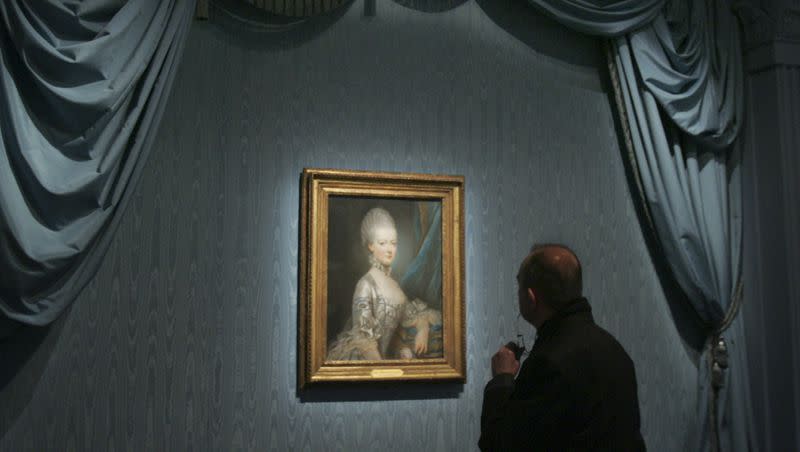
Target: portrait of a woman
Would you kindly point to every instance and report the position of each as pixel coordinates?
(384, 323)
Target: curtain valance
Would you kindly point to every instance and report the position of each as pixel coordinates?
(602, 17)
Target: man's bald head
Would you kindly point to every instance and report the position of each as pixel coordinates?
(553, 271)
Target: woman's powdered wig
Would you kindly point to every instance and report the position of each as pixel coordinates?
(375, 218)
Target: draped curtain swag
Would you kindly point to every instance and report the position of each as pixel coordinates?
(604, 18)
(699, 89)
(682, 90)
(689, 58)
(694, 199)
(82, 89)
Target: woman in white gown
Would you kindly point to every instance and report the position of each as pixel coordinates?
(379, 305)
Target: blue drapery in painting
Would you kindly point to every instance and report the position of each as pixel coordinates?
(423, 277)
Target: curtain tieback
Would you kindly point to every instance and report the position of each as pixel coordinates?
(719, 362)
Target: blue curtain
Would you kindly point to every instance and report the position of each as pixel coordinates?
(694, 199)
(605, 18)
(683, 100)
(82, 89)
(688, 53)
(689, 58)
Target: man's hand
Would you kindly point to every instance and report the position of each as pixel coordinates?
(504, 362)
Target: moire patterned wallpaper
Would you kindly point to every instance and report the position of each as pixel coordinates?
(186, 338)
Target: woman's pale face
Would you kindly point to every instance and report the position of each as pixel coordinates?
(384, 244)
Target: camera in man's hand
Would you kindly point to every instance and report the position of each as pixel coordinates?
(516, 349)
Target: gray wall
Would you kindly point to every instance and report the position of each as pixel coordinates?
(771, 309)
(772, 221)
(186, 338)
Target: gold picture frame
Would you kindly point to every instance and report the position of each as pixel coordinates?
(358, 321)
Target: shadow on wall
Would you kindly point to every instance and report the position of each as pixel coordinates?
(254, 28)
(24, 353)
(375, 392)
(543, 34)
(429, 6)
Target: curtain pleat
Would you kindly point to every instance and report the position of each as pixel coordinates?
(82, 90)
(689, 58)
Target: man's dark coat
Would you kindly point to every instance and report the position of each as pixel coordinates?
(576, 391)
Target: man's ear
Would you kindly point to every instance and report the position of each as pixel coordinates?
(532, 296)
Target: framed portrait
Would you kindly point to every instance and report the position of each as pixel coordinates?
(381, 277)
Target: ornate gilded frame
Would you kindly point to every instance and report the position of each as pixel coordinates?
(318, 185)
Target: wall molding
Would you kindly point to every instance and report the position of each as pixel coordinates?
(771, 35)
(774, 193)
(788, 81)
(771, 54)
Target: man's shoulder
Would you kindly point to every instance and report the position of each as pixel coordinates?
(583, 348)
(588, 335)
